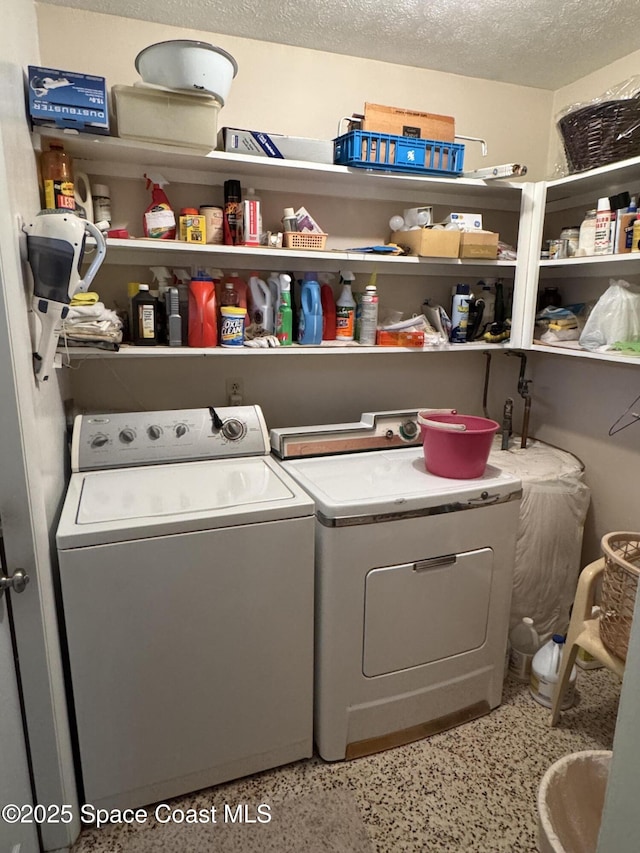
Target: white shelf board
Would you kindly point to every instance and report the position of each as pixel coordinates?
(592, 266)
(577, 352)
(147, 251)
(596, 182)
(112, 156)
(129, 351)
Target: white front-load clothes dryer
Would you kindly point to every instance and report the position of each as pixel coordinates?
(413, 583)
(186, 573)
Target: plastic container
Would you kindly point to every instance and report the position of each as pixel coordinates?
(232, 213)
(456, 446)
(213, 223)
(145, 318)
(251, 218)
(544, 674)
(398, 153)
(172, 118)
(232, 329)
(346, 309)
(310, 315)
(101, 198)
(192, 226)
(587, 238)
(261, 305)
(329, 317)
(57, 178)
(524, 642)
(82, 196)
(159, 220)
(203, 318)
(602, 244)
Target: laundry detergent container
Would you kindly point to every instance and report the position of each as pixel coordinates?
(456, 446)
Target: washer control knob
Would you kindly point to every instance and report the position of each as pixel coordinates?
(233, 429)
(99, 440)
(181, 429)
(409, 430)
(127, 436)
(154, 432)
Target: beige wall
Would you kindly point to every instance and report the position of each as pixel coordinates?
(292, 90)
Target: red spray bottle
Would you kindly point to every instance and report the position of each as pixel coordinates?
(159, 220)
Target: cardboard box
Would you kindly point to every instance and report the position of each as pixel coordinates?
(401, 122)
(67, 99)
(466, 221)
(259, 144)
(429, 243)
(479, 244)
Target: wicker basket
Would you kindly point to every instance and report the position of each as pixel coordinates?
(600, 134)
(619, 585)
(304, 240)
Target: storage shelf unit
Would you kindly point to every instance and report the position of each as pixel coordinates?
(568, 194)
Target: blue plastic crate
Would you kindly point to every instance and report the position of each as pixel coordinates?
(390, 153)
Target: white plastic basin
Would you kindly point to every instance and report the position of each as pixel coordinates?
(570, 801)
(189, 66)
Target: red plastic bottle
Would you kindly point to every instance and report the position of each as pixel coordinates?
(328, 313)
(159, 220)
(203, 319)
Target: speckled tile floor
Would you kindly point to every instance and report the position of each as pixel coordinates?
(469, 790)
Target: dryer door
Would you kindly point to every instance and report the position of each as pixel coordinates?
(421, 612)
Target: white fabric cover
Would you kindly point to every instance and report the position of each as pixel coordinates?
(552, 514)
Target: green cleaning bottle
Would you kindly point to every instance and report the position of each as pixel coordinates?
(284, 319)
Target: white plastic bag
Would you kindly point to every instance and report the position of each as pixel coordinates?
(615, 317)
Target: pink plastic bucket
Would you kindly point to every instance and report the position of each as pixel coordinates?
(456, 446)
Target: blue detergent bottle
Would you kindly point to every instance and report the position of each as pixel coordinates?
(310, 317)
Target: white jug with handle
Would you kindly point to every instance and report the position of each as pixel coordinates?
(82, 195)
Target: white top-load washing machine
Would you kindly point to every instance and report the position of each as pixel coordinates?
(186, 571)
(413, 583)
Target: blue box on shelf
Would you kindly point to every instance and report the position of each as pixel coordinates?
(388, 153)
(67, 99)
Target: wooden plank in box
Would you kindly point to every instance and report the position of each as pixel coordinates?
(428, 243)
(400, 122)
(479, 244)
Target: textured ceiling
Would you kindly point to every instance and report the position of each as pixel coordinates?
(542, 43)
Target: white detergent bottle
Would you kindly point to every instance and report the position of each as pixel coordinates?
(346, 309)
(261, 304)
(525, 642)
(274, 286)
(544, 674)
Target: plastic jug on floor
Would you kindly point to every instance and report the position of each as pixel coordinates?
(525, 642)
(544, 674)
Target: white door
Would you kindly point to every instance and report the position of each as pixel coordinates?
(15, 788)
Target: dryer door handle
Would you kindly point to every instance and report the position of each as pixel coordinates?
(434, 563)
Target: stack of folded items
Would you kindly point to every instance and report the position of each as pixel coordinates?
(89, 323)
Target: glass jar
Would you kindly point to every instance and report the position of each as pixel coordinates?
(570, 237)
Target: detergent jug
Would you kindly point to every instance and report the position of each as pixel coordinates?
(203, 319)
(261, 304)
(310, 316)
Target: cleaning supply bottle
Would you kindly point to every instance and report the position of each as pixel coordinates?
(145, 318)
(260, 304)
(284, 321)
(310, 316)
(203, 317)
(369, 318)
(544, 674)
(159, 219)
(346, 309)
(489, 298)
(232, 213)
(603, 227)
(181, 280)
(57, 178)
(173, 319)
(328, 312)
(251, 218)
(460, 314)
(274, 286)
(162, 279)
(525, 642)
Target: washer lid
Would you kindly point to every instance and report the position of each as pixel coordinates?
(131, 503)
(394, 481)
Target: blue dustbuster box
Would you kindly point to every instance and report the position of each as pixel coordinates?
(65, 99)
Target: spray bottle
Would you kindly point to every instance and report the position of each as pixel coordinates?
(159, 219)
(328, 306)
(284, 319)
(345, 309)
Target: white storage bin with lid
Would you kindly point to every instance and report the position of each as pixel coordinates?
(154, 114)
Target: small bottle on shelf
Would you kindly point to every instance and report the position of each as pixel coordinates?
(145, 318)
(602, 242)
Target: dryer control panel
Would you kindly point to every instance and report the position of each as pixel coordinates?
(125, 439)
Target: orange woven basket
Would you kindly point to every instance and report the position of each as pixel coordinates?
(619, 586)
